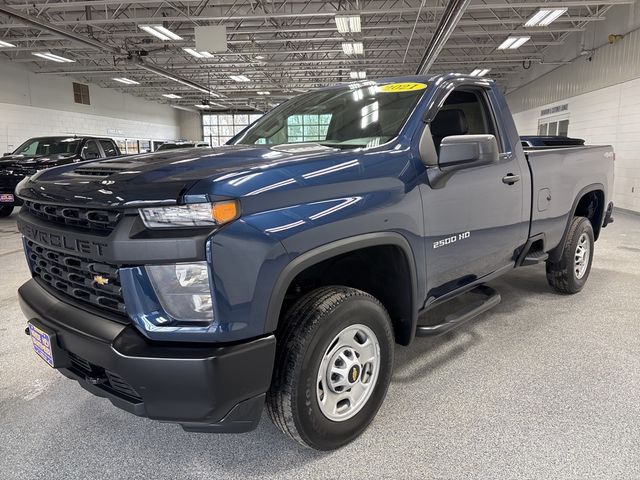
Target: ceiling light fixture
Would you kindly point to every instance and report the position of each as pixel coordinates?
(6, 44)
(52, 57)
(361, 75)
(197, 54)
(160, 32)
(545, 16)
(264, 93)
(171, 95)
(349, 23)
(480, 72)
(352, 48)
(126, 81)
(240, 78)
(513, 42)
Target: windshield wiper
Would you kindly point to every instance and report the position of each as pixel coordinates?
(342, 146)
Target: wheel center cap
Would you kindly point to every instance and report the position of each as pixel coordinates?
(354, 373)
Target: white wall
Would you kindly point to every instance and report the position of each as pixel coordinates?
(190, 125)
(609, 115)
(34, 105)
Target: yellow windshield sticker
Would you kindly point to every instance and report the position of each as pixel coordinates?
(401, 87)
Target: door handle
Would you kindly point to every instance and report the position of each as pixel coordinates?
(510, 178)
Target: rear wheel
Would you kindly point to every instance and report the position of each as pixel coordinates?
(5, 210)
(570, 273)
(333, 367)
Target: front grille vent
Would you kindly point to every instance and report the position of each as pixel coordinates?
(95, 219)
(77, 277)
(103, 378)
(106, 168)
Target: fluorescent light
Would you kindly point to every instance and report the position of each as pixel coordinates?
(512, 42)
(358, 75)
(544, 17)
(6, 44)
(160, 32)
(480, 72)
(259, 57)
(126, 81)
(52, 57)
(171, 95)
(553, 16)
(240, 78)
(264, 93)
(519, 42)
(352, 48)
(348, 23)
(208, 105)
(197, 54)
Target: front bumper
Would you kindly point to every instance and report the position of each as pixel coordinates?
(8, 183)
(201, 387)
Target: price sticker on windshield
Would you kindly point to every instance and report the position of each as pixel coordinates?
(401, 87)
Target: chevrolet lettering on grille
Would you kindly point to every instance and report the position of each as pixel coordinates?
(55, 240)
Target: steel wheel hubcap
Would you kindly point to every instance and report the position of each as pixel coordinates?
(581, 257)
(348, 372)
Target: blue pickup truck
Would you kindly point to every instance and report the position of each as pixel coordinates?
(195, 286)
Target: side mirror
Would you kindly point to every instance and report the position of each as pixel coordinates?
(466, 151)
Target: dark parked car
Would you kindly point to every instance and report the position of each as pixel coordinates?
(45, 152)
(176, 145)
(197, 286)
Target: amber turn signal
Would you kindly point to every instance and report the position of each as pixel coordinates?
(224, 212)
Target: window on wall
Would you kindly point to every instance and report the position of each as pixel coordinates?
(219, 128)
(81, 93)
(553, 126)
(307, 128)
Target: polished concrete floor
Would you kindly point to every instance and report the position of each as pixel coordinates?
(543, 387)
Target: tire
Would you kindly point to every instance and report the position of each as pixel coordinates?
(570, 273)
(308, 341)
(5, 210)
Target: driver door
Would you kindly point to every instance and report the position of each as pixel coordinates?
(474, 222)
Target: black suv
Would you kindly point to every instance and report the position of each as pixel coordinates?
(46, 152)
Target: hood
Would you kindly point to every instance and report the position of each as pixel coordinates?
(168, 176)
(33, 161)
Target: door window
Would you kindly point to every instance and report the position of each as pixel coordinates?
(109, 148)
(465, 112)
(91, 150)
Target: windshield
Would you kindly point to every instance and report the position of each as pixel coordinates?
(357, 115)
(48, 146)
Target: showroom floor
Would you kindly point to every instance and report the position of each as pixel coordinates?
(543, 386)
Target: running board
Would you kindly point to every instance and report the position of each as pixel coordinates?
(534, 258)
(490, 300)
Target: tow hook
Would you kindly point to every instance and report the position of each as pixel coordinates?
(96, 380)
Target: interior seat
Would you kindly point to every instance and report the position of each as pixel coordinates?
(448, 122)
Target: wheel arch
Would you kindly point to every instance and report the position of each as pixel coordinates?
(405, 309)
(589, 203)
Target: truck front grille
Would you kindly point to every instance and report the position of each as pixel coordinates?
(82, 279)
(98, 220)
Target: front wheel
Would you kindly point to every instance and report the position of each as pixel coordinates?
(570, 273)
(5, 210)
(333, 366)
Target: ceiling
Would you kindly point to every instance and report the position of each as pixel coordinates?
(284, 47)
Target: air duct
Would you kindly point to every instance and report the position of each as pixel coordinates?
(450, 18)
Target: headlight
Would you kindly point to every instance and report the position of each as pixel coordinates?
(190, 215)
(184, 290)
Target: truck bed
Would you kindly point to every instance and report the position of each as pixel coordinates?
(558, 176)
